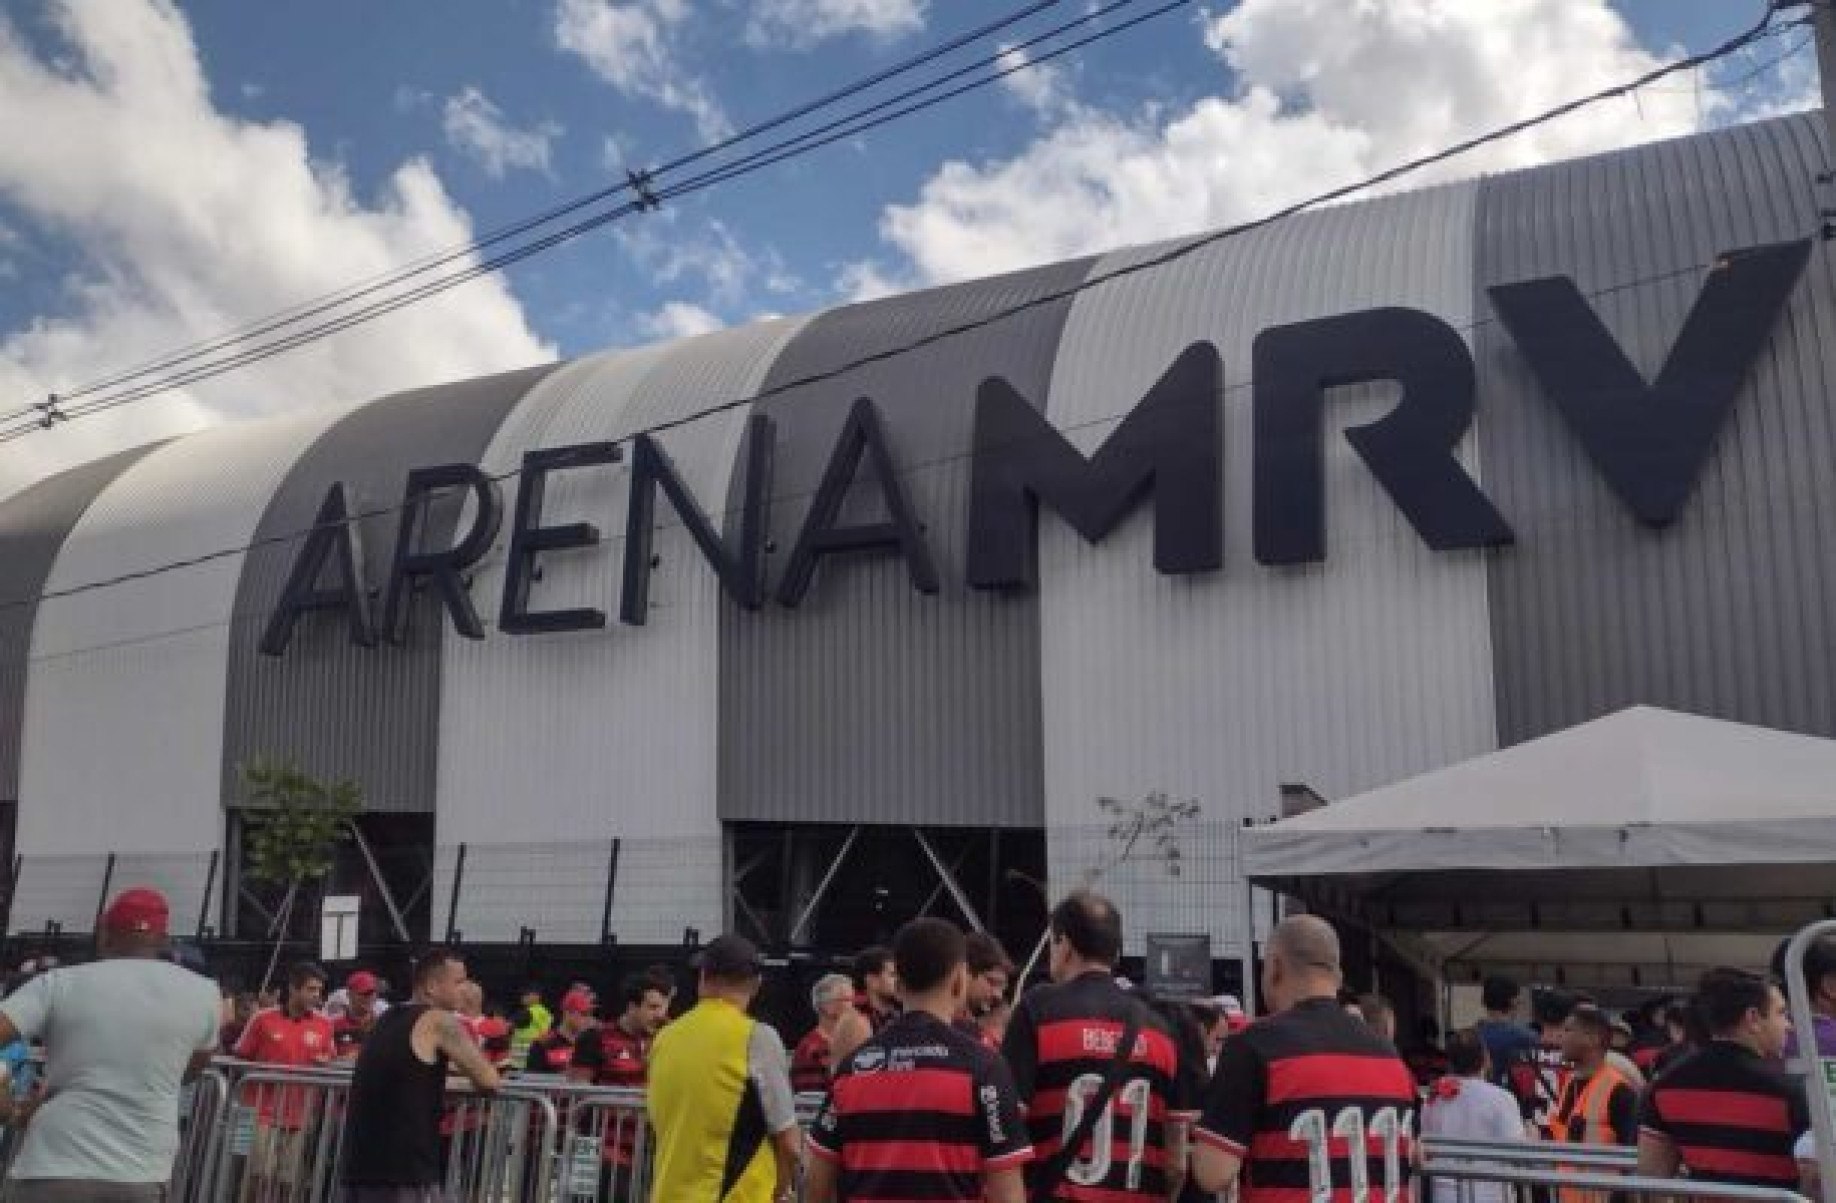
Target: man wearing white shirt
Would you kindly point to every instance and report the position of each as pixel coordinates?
(1465, 1106)
(122, 1035)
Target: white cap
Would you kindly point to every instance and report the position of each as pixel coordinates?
(1229, 1004)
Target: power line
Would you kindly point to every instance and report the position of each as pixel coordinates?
(39, 417)
(1176, 253)
(280, 319)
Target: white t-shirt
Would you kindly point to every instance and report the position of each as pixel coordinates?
(118, 1035)
(1480, 1111)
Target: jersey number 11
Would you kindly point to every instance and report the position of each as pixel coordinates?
(1314, 1130)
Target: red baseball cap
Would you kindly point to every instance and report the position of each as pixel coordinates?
(361, 982)
(140, 910)
(577, 1002)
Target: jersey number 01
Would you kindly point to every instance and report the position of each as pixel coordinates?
(1137, 1095)
(1314, 1130)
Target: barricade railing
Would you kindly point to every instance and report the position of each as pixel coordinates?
(279, 1138)
(1439, 1149)
(606, 1148)
(1819, 1070)
(1444, 1163)
(201, 1114)
(1478, 1183)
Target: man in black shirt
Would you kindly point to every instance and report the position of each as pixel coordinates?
(1065, 1047)
(392, 1127)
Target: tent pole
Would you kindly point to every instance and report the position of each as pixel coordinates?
(1249, 949)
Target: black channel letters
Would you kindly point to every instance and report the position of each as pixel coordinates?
(1170, 444)
(1651, 441)
(334, 537)
(1409, 450)
(1648, 441)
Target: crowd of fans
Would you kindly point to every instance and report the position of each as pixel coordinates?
(930, 1077)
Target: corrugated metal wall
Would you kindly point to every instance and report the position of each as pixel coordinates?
(871, 698)
(1372, 665)
(1728, 611)
(613, 730)
(124, 720)
(343, 711)
(32, 529)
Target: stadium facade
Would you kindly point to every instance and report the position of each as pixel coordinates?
(1339, 501)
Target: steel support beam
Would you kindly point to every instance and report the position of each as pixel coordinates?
(949, 882)
(822, 887)
(382, 885)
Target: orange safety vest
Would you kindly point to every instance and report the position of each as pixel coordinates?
(1583, 1116)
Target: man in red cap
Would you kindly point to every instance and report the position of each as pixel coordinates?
(360, 1012)
(554, 1052)
(107, 1126)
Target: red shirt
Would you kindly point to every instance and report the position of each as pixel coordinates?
(276, 1038)
(348, 1033)
(809, 1067)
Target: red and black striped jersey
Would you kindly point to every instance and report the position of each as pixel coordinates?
(1060, 1044)
(809, 1068)
(1315, 1104)
(919, 1112)
(555, 1052)
(616, 1057)
(1731, 1117)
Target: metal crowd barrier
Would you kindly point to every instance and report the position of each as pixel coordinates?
(1519, 1183)
(1446, 1163)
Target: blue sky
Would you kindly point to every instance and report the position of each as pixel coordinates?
(480, 112)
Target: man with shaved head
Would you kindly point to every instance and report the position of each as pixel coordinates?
(1298, 1098)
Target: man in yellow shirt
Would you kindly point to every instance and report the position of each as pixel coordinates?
(720, 1098)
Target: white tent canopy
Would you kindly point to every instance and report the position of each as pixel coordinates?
(1660, 827)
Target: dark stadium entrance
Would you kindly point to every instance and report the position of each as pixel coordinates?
(833, 889)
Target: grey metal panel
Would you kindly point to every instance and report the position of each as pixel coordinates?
(1728, 611)
(618, 723)
(33, 525)
(871, 700)
(1345, 674)
(123, 744)
(371, 715)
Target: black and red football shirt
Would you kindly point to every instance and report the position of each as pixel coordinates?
(614, 1057)
(1060, 1044)
(809, 1068)
(920, 1111)
(1730, 1116)
(1314, 1103)
(555, 1052)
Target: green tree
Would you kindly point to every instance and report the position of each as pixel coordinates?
(292, 824)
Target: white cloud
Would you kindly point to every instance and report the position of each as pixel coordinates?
(801, 24)
(865, 280)
(631, 46)
(1326, 92)
(710, 253)
(679, 319)
(476, 127)
(1041, 87)
(191, 223)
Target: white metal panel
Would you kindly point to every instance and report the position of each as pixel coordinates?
(1344, 675)
(612, 732)
(123, 741)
